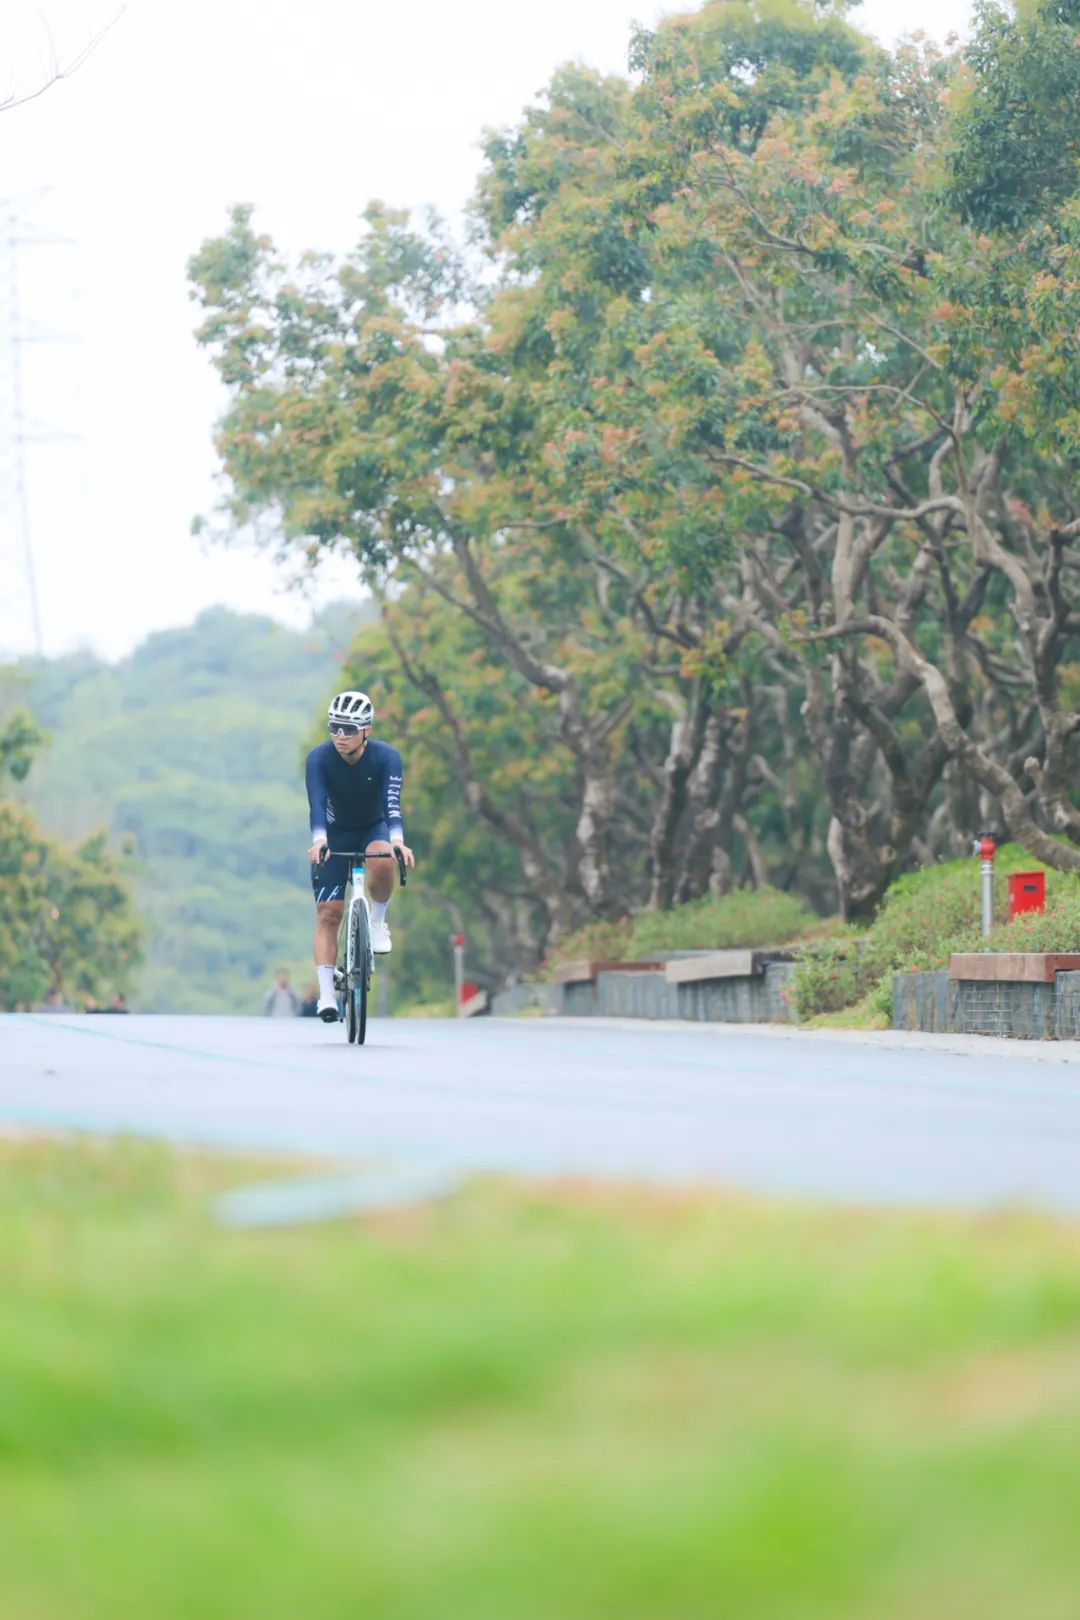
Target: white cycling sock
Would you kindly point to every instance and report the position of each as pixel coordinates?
(326, 981)
(378, 910)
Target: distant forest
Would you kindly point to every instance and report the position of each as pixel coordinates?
(189, 754)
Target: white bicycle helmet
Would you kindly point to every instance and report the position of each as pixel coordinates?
(354, 707)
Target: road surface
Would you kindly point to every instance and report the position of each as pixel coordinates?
(852, 1120)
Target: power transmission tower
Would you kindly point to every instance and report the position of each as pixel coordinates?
(18, 570)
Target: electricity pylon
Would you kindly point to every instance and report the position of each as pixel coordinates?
(18, 571)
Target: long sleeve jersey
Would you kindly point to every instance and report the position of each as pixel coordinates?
(354, 797)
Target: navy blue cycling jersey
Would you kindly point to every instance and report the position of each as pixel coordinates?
(349, 798)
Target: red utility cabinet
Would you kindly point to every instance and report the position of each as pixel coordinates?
(1027, 892)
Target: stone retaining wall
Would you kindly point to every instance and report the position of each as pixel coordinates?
(519, 998)
(921, 1001)
(636, 995)
(1041, 1001)
(1027, 996)
(779, 981)
(699, 986)
(1024, 1011)
(1067, 1007)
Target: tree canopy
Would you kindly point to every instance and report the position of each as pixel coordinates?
(722, 494)
(67, 921)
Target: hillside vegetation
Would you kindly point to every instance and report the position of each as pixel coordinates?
(189, 754)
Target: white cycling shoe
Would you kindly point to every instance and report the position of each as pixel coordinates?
(380, 938)
(328, 1009)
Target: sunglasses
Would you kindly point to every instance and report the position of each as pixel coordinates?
(343, 728)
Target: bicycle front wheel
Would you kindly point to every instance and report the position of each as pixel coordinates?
(361, 975)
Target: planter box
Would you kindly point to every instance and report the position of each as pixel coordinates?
(1033, 1007)
(741, 1000)
(1024, 1009)
(779, 981)
(582, 972)
(1013, 967)
(577, 999)
(636, 995)
(922, 1001)
(1067, 1007)
(721, 965)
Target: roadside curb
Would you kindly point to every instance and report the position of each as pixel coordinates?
(897, 1040)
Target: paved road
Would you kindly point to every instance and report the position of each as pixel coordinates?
(803, 1114)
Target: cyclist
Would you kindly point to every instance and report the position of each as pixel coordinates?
(354, 793)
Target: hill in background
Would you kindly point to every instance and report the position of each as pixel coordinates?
(190, 754)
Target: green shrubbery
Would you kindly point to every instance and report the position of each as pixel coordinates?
(925, 917)
(1056, 929)
(217, 821)
(743, 918)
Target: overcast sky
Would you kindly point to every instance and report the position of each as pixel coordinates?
(183, 108)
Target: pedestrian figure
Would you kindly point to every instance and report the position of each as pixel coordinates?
(281, 1000)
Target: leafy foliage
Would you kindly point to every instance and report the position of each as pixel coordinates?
(725, 530)
(926, 916)
(19, 740)
(66, 918)
(1015, 149)
(744, 918)
(190, 754)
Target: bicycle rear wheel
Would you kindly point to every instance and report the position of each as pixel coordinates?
(357, 990)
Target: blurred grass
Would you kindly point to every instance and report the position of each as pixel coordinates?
(527, 1403)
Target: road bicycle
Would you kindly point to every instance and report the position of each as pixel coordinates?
(355, 957)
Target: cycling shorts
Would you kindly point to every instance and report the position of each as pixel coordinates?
(328, 880)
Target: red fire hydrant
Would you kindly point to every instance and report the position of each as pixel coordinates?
(985, 849)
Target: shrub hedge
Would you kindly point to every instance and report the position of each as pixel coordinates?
(744, 918)
(924, 917)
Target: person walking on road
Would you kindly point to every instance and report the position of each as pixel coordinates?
(281, 1000)
(354, 796)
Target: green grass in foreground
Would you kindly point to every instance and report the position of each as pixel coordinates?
(527, 1403)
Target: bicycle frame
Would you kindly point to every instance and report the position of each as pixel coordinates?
(357, 884)
(358, 896)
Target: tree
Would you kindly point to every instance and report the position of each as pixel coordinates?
(1013, 150)
(365, 422)
(752, 466)
(66, 919)
(721, 337)
(857, 399)
(19, 740)
(54, 65)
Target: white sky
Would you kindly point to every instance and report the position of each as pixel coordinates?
(183, 108)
